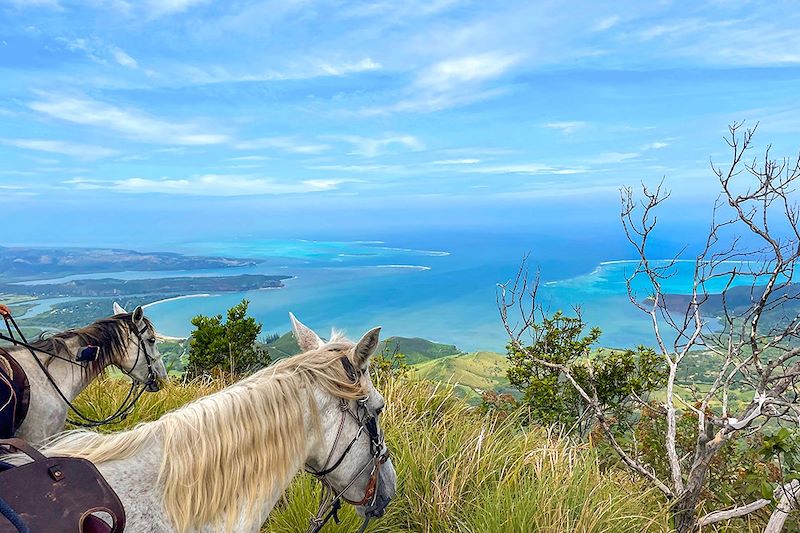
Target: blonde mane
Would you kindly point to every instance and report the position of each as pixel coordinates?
(254, 430)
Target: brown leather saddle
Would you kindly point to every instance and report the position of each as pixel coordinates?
(14, 395)
(55, 495)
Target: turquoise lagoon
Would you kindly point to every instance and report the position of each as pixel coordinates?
(443, 293)
(436, 286)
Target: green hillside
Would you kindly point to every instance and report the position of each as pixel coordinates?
(284, 346)
(416, 350)
(471, 373)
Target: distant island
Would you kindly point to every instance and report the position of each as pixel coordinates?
(738, 301)
(162, 287)
(29, 263)
(72, 303)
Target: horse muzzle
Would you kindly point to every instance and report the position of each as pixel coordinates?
(378, 509)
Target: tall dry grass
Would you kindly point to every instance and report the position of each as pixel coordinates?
(458, 470)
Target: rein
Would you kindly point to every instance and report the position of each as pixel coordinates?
(125, 407)
(330, 500)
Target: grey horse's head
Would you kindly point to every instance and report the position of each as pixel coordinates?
(141, 359)
(352, 454)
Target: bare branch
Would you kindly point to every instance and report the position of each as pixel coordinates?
(736, 512)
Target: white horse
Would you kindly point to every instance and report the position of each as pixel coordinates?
(126, 340)
(221, 463)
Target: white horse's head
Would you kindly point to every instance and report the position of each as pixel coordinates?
(141, 359)
(351, 457)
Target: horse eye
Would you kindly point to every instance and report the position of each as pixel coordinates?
(379, 410)
(151, 341)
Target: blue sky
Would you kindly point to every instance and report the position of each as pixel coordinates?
(334, 112)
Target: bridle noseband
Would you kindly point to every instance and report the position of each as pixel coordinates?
(331, 501)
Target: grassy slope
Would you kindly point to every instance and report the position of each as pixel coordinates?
(471, 373)
(416, 350)
(458, 470)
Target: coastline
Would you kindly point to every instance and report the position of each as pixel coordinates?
(173, 298)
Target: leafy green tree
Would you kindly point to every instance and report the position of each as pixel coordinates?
(228, 347)
(618, 377)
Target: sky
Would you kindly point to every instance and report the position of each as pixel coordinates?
(311, 115)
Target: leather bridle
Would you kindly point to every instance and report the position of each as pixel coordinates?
(127, 405)
(151, 383)
(330, 500)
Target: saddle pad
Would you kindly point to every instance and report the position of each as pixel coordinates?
(14, 395)
(57, 495)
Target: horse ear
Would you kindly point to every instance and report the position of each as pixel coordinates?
(366, 348)
(138, 317)
(118, 309)
(306, 339)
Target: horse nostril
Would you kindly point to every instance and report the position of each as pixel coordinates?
(379, 509)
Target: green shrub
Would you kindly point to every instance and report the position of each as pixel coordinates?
(226, 347)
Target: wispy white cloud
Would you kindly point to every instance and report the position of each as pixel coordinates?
(454, 73)
(567, 127)
(301, 69)
(122, 58)
(357, 168)
(752, 40)
(325, 184)
(672, 29)
(100, 52)
(285, 144)
(372, 147)
(208, 185)
(613, 157)
(342, 69)
(83, 45)
(249, 158)
(83, 151)
(436, 101)
(130, 123)
(473, 151)
(532, 169)
(657, 145)
(82, 183)
(451, 83)
(607, 23)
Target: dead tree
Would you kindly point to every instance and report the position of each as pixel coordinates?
(754, 237)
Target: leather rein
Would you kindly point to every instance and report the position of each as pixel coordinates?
(131, 398)
(330, 500)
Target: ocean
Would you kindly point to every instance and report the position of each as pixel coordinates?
(444, 289)
(434, 277)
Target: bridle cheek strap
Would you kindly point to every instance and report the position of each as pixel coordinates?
(379, 457)
(372, 484)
